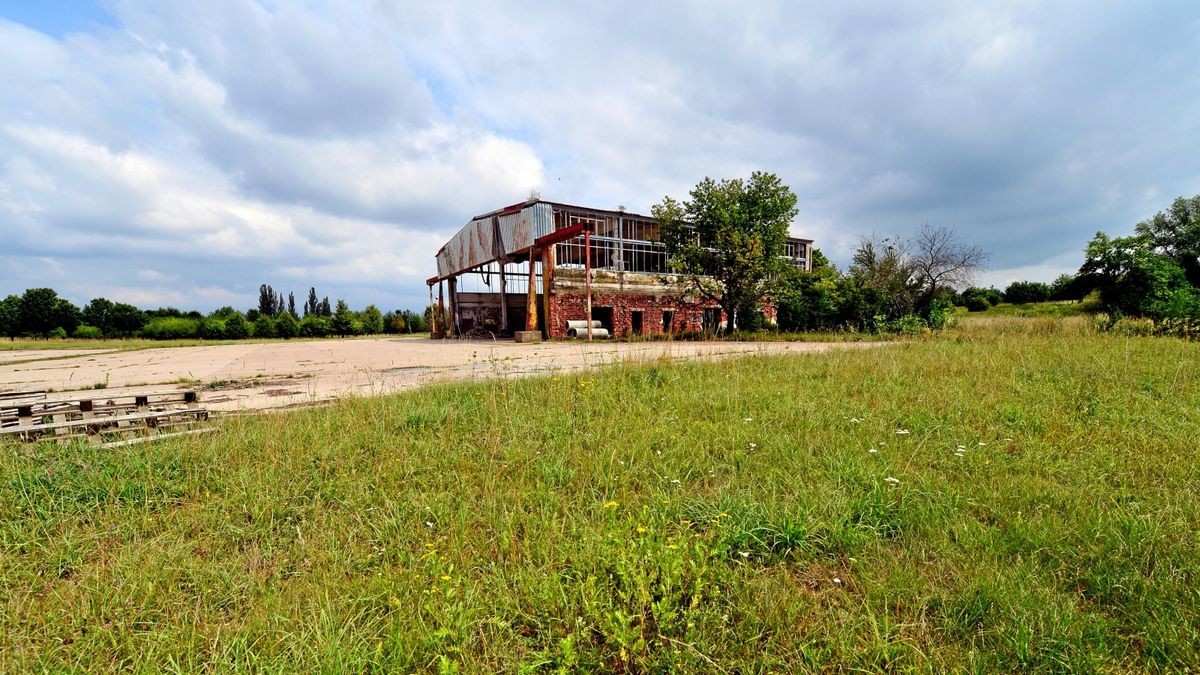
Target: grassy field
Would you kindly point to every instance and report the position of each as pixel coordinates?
(1057, 309)
(1013, 494)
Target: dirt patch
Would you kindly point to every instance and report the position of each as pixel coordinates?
(286, 374)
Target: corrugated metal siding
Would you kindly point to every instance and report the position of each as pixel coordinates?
(476, 245)
(471, 247)
(543, 219)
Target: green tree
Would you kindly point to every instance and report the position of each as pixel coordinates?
(726, 241)
(979, 299)
(225, 313)
(413, 322)
(114, 319)
(267, 300)
(810, 300)
(264, 326)
(286, 326)
(372, 320)
(236, 328)
(1021, 292)
(10, 316)
(1175, 233)
(311, 306)
(343, 320)
(1133, 279)
(66, 315)
(393, 322)
(37, 313)
(314, 325)
(98, 313)
(882, 281)
(1069, 287)
(212, 328)
(126, 320)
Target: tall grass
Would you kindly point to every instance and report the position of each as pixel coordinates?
(1001, 498)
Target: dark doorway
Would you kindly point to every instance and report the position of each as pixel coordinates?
(712, 319)
(635, 322)
(668, 321)
(605, 316)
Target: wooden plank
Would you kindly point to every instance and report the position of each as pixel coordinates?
(121, 421)
(13, 395)
(155, 437)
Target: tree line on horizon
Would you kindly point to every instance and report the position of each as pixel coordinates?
(1152, 276)
(42, 313)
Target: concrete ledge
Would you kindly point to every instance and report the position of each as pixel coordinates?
(528, 336)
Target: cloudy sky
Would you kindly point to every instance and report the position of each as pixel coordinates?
(165, 154)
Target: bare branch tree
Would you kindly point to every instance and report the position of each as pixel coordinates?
(938, 259)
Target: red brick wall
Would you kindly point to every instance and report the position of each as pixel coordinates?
(573, 307)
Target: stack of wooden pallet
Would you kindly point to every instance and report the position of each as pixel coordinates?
(31, 415)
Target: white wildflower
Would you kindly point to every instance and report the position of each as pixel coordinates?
(903, 431)
(747, 420)
(872, 450)
(753, 445)
(982, 443)
(854, 420)
(744, 554)
(892, 480)
(837, 581)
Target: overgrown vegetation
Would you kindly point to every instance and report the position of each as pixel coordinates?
(891, 286)
(1013, 494)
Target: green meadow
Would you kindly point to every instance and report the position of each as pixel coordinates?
(1009, 494)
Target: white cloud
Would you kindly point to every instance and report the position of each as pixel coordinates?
(231, 143)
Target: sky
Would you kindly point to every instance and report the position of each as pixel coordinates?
(180, 154)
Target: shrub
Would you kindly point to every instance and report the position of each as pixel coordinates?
(939, 310)
(212, 329)
(171, 328)
(265, 326)
(315, 326)
(979, 299)
(86, 332)
(237, 328)
(372, 320)
(57, 333)
(286, 326)
(1021, 292)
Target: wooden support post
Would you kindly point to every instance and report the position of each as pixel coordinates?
(455, 321)
(531, 304)
(547, 283)
(433, 320)
(587, 277)
(441, 310)
(25, 416)
(503, 299)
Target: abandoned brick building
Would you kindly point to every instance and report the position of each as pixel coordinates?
(534, 266)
